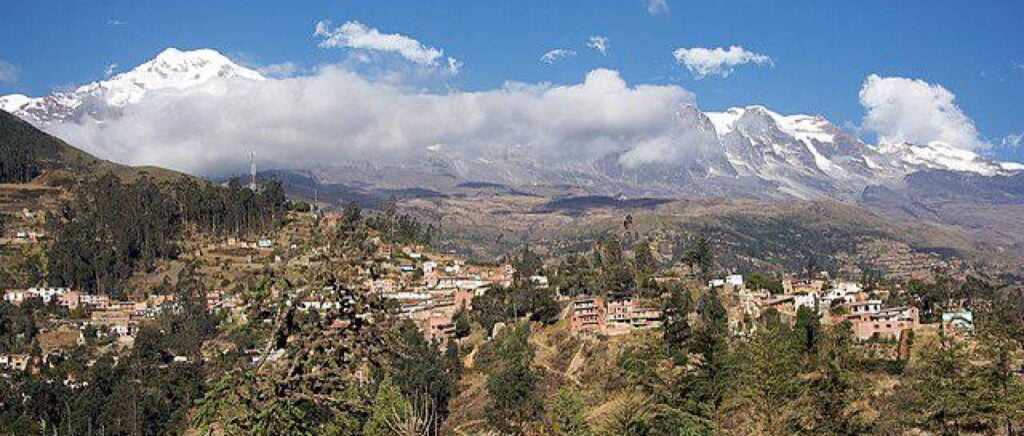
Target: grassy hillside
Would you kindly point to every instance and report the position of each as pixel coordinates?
(30, 153)
(748, 234)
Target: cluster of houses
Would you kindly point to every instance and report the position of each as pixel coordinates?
(837, 302)
(432, 288)
(611, 316)
(118, 320)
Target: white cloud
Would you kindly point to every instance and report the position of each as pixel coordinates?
(911, 110)
(703, 62)
(454, 65)
(356, 35)
(115, 23)
(655, 7)
(1012, 140)
(8, 72)
(556, 55)
(281, 70)
(599, 43)
(110, 70)
(336, 116)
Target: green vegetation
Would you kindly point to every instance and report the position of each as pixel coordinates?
(99, 241)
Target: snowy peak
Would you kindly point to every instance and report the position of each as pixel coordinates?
(171, 69)
(799, 126)
(942, 156)
(13, 102)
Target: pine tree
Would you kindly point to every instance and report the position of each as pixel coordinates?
(391, 414)
(676, 329)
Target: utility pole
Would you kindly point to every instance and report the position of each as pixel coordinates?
(252, 170)
(316, 191)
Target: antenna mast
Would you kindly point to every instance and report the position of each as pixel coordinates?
(316, 191)
(252, 170)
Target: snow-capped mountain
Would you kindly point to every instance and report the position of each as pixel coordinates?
(752, 152)
(808, 155)
(749, 151)
(171, 69)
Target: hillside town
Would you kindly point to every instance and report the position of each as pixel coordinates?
(432, 289)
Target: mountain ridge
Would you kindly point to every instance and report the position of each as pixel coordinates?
(749, 151)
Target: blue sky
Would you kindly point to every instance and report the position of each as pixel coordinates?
(821, 51)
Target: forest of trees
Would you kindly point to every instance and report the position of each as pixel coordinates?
(398, 227)
(20, 146)
(110, 228)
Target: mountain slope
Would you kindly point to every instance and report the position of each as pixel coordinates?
(986, 208)
(48, 155)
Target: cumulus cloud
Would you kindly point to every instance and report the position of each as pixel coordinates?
(911, 110)
(356, 35)
(8, 72)
(656, 7)
(281, 70)
(110, 69)
(1012, 140)
(557, 54)
(599, 43)
(337, 116)
(703, 62)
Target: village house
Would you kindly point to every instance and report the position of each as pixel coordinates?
(70, 300)
(464, 299)
(14, 362)
(958, 324)
(612, 317)
(865, 307)
(16, 296)
(439, 327)
(47, 294)
(891, 323)
(587, 315)
(119, 323)
(795, 286)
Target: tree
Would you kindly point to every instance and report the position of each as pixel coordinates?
(423, 374)
(514, 402)
(311, 370)
(461, 321)
(768, 383)
(758, 281)
(700, 256)
(677, 331)
(391, 414)
(644, 258)
(707, 384)
(575, 276)
(807, 330)
(527, 264)
(940, 393)
(566, 414)
(1002, 395)
(831, 401)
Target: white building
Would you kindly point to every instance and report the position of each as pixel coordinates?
(866, 307)
(48, 294)
(735, 280)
